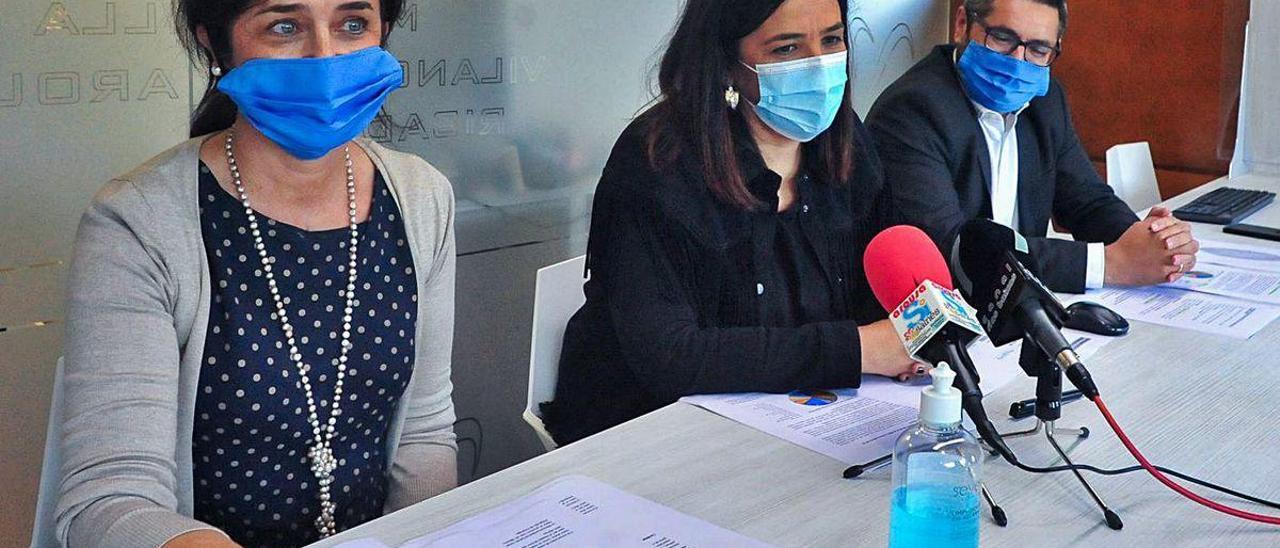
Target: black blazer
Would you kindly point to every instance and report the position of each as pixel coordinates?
(937, 164)
(672, 305)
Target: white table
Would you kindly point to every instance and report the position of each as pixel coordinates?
(1200, 404)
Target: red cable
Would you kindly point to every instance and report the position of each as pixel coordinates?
(1170, 483)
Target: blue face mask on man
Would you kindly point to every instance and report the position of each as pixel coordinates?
(799, 99)
(310, 106)
(1000, 82)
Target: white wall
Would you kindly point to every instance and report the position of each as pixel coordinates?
(886, 38)
(1258, 145)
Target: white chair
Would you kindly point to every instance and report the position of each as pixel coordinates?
(557, 295)
(42, 533)
(1132, 175)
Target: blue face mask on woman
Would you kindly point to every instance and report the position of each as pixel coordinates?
(1000, 82)
(310, 106)
(799, 99)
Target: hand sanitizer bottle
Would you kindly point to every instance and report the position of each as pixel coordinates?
(936, 497)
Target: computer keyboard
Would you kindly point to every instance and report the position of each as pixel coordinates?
(1224, 206)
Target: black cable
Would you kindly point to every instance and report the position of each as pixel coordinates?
(1131, 469)
(995, 440)
(1009, 456)
(857, 470)
(993, 437)
(972, 404)
(477, 441)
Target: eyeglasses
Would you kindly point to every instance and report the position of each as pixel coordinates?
(1005, 41)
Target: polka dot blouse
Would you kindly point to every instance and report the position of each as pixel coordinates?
(251, 436)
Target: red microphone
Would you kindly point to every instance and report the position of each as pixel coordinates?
(898, 260)
(910, 279)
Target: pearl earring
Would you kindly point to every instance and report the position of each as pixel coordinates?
(731, 97)
(215, 70)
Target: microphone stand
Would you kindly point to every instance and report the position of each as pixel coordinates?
(1048, 375)
(967, 381)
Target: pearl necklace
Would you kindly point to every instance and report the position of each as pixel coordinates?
(323, 462)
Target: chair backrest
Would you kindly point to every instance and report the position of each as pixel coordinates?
(556, 297)
(42, 533)
(1132, 175)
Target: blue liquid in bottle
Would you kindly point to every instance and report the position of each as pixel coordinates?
(932, 516)
(935, 500)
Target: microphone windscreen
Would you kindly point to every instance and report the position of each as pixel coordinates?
(981, 245)
(898, 260)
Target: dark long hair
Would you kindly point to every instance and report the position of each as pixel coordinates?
(691, 121)
(216, 111)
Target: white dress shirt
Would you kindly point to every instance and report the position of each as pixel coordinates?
(1001, 134)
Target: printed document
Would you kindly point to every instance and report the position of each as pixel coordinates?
(1249, 285)
(577, 511)
(1240, 255)
(842, 423)
(858, 426)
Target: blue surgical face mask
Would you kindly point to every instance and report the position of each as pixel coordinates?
(310, 106)
(799, 99)
(1000, 82)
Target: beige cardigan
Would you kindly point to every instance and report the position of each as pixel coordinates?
(138, 308)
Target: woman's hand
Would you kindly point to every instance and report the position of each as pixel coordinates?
(201, 538)
(883, 354)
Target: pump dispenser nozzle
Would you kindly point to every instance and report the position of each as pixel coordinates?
(940, 402)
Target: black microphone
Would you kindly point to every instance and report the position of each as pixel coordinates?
(990, 265)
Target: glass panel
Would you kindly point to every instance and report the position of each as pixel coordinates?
(886, 38)
(88, 89)
(519, 103)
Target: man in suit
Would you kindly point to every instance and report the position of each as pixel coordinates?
(979, 130)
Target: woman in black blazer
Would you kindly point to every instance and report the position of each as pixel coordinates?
(728, 227)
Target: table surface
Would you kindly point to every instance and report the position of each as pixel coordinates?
(1191, 401)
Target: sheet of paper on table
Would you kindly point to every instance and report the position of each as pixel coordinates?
(841, 423)
(1253, 256)
(858, 426)
(577, 511)
(1228, 281)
